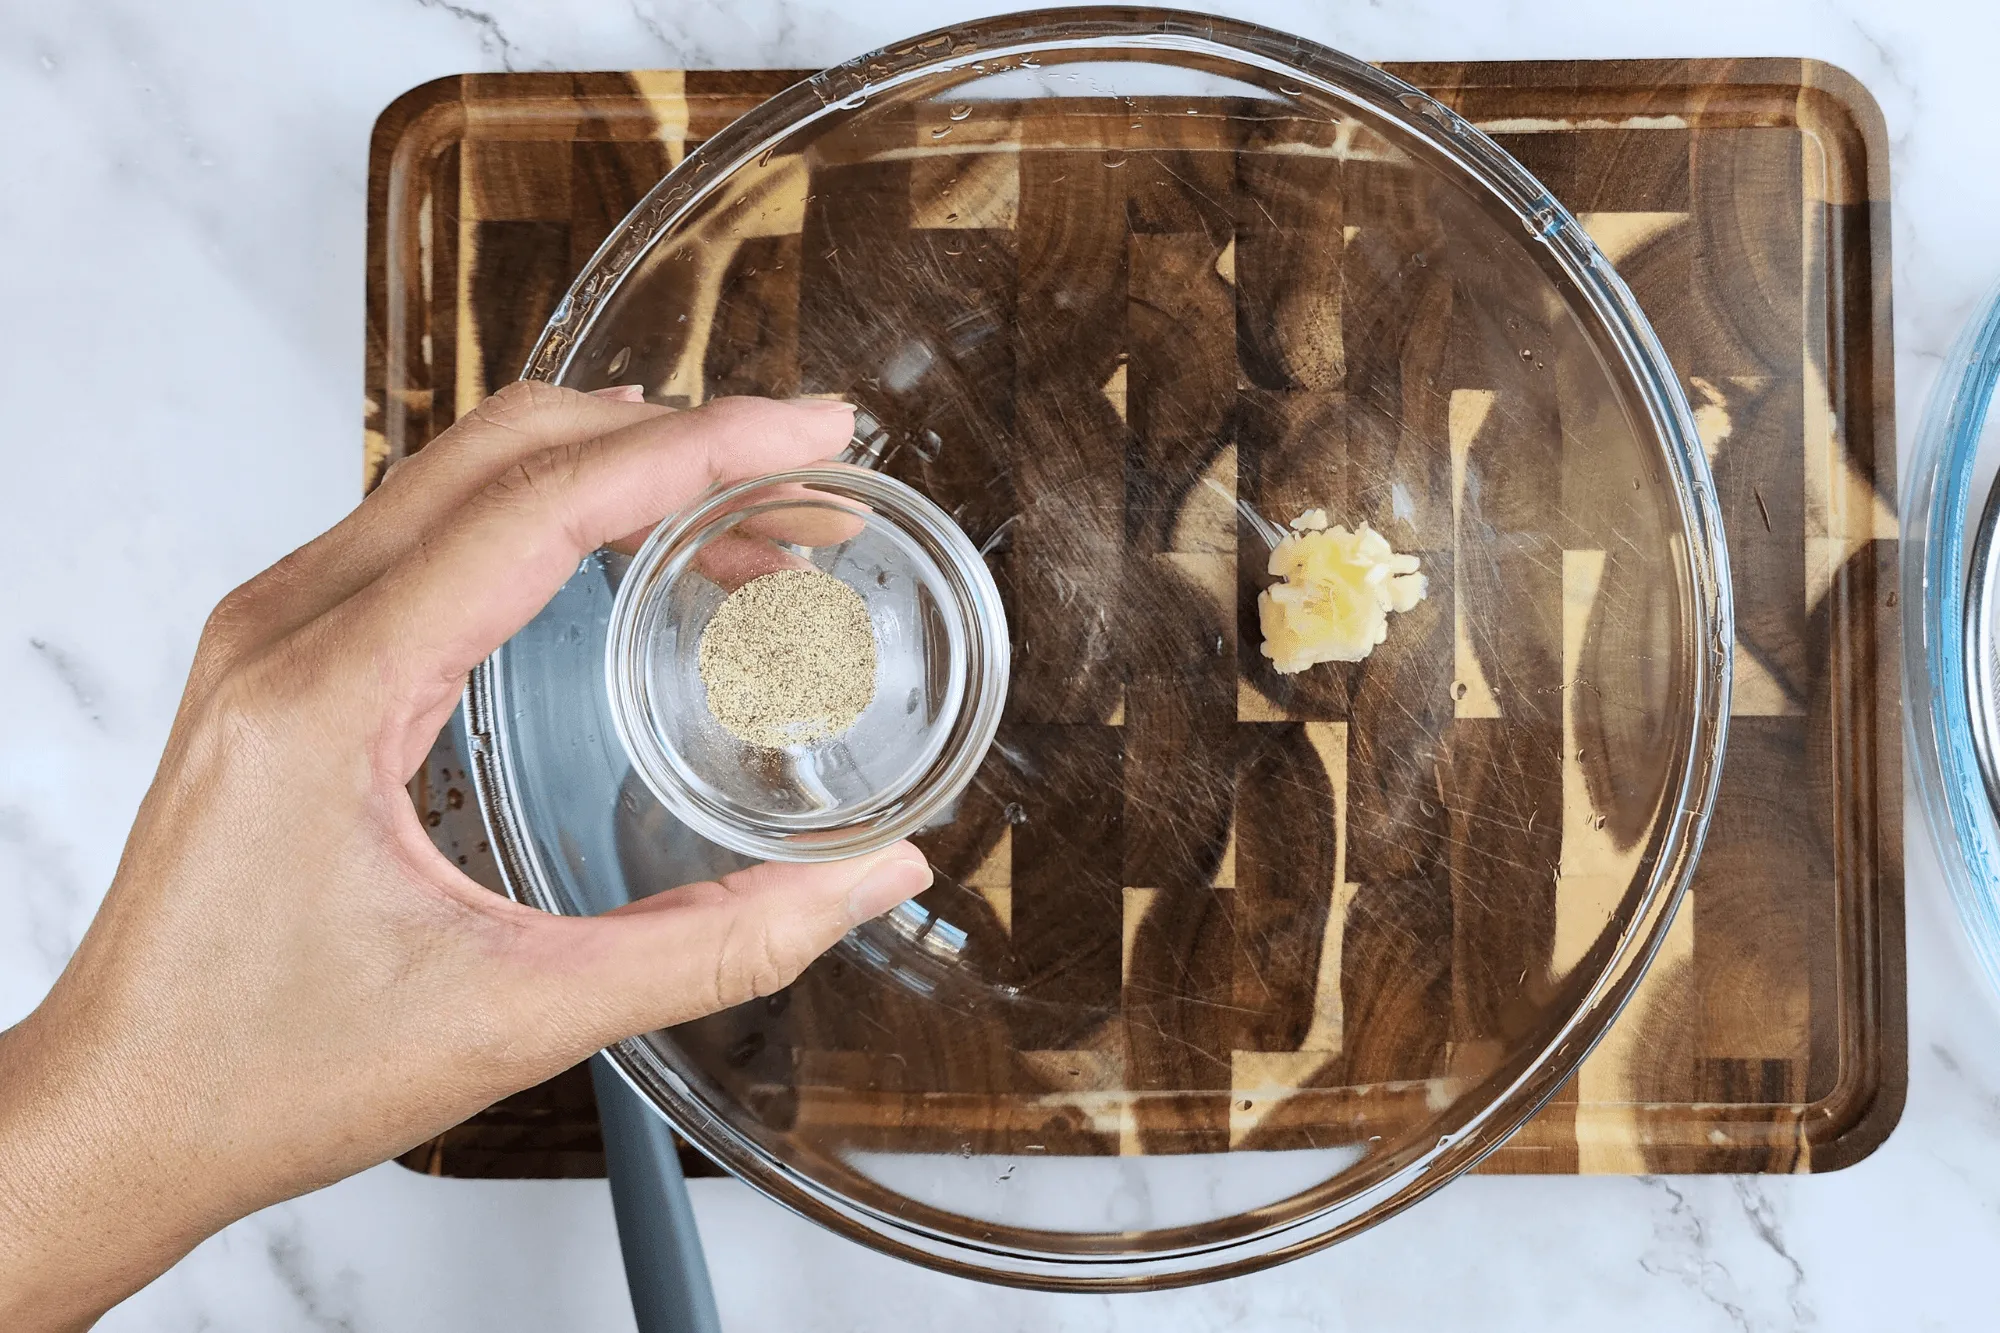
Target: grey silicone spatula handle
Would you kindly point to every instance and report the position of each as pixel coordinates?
(664, 1266)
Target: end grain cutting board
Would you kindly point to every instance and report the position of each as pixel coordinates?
(1746, 204)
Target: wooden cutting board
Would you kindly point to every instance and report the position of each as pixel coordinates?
(1746, 202)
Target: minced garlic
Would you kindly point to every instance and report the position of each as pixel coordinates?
(1335, 593)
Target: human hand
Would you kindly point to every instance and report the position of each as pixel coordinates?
(287, 982)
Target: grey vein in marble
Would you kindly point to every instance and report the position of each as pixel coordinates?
(492, 38)
(288, 1258)
(1683, 1235)
(45, 885)
(1762, 1214)
(75, 677)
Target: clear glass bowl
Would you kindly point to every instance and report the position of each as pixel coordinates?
(940, 667)
(1221, 965)
(1949, 606)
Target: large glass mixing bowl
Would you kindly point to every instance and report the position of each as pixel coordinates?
(1221, 964)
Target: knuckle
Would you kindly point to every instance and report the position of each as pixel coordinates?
(523, 408)
(404, 472)
(542, 477)
(229, 614)
(520, 401)
(768, 959)
(248, 614)
(251, 604)
(234, 619)
(523, 394)
(738, 412)
(236, 703)
(291, 677)
(240, 714)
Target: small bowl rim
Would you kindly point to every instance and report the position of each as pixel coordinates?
(631, 684)
(947, 765)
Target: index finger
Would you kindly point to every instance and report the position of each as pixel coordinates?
(422, 491)
(416, 631)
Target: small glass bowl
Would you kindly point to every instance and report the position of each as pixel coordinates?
(940, 675)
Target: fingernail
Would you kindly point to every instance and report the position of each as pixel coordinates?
(899, 876)
(830, 404)
(624, 393)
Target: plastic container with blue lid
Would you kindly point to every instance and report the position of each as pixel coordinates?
(1950, 583)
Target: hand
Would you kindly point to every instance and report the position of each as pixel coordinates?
(286, 982)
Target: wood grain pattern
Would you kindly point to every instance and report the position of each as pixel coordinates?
(1315, 931)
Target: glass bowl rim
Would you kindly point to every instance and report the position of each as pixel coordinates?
(945, 771)
(1620, 956)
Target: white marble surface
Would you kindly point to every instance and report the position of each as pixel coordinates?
(181, 201)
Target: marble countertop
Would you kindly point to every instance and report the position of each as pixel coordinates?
(183, 221)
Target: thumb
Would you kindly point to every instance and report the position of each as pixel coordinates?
(705, 947)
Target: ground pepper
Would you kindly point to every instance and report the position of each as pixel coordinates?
(789, 658)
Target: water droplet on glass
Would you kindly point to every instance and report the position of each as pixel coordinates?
(1290, 91)
(1113, 161)
(1015, 814)
(1527, 354)
(854, 103)
(618, 363)
(1459, 689)
(940, 131)
(961, 110)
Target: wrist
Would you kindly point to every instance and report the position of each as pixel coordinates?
(89, 1210)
